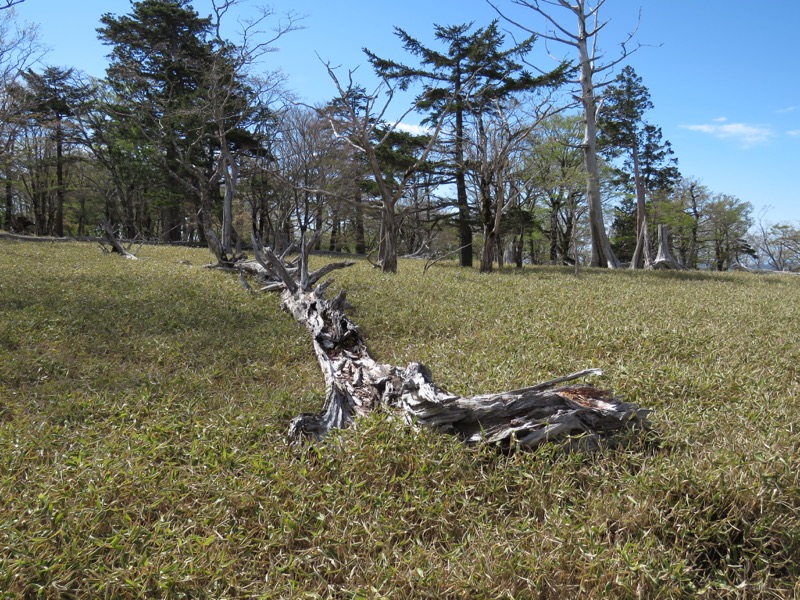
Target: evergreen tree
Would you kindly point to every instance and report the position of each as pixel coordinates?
(648, 161)
(623, 229)
(159, 58)
(52, 98)
(470, 74)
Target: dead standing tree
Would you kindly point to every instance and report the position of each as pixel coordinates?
(357, 385)
(583, 40)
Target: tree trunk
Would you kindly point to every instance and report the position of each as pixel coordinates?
(59, 179)
(9, 220)
(553, 234)
(602, 254)
(642, 258)
(356, 384)
(333, 242)
(464, 227)
(361, 244)
(487, 253)
(487, 216)
(664, 258)
(694, 247)
(115, 245)
(231, 170)
(388, 247)
(207, 231)
(641, 255)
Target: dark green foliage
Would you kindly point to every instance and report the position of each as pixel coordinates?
(180, 90)
(624, 132)
(623, 229)
(52, 100)
(473, 71)
(157, 66)
(158, 50)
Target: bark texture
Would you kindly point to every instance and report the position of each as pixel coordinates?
(664, 258)
(356, 384)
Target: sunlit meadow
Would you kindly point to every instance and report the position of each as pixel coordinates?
(144, 406)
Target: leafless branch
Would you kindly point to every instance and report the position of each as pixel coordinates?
(254, 40)
(9, 3)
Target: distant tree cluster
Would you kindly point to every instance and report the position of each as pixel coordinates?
(184, 141)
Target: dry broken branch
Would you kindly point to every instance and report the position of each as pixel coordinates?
(740, 267)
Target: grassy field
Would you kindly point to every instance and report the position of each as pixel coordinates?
(144, 406)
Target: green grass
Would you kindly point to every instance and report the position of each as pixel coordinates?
(144, 406)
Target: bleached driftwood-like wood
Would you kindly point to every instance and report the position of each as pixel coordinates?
(356, 384)
(114, 242)
(664, 258)
(741, 267)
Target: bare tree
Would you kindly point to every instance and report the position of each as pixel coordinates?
(582, 37)
(359, 119)
(9, 3)
(238, 58)
(314, 175)
(19, 49)
(778, 244)
(500, 135)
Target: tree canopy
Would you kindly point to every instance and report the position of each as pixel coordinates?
(185, 140)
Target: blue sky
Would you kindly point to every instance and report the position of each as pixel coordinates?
(722, 73)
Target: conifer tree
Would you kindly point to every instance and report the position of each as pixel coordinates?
(52, 97)
(158, 59)
(648, 160)
(471, 72)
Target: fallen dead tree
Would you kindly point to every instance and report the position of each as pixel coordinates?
(357, 385)
(740, 267)
(18, 237)
(115, 244)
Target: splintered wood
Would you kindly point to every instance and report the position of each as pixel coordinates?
(356, 384)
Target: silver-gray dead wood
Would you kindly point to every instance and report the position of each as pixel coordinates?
(356, 384)
(116, 246)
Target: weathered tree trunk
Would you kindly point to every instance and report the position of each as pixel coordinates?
(231, 171)
(602, 254)
(642, 259)
(641, 255)
(356, 384)
(115, 245)
(664, 258)
(388, 244)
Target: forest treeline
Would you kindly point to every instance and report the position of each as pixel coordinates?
(186, 140)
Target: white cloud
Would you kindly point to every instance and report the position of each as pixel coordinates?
(720, 119)
(747, 135)
(413, 129)
(788, 109)
(794, 132)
